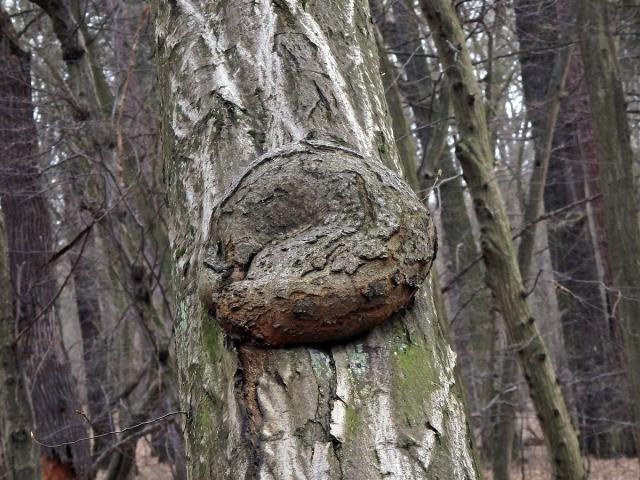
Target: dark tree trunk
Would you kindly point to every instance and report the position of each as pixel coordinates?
(18, 454)
(617, 180)
(30, 244)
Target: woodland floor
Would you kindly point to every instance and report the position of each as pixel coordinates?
(534, 467)
(533, 463)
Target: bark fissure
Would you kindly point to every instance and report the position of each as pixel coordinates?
(330, 412)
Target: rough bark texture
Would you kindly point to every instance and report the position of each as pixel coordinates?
(503, 276)
(617, 180)
(18, 454)
(407, 156)
(30, 245)
(242, 81)
(314, 244)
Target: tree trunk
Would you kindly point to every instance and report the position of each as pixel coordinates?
(597, 403)
(617, 180)
(503, 275)
(542, 88)
(407, 155)
(301, 93)
(30, 245)
(121, 209)
(19, 458)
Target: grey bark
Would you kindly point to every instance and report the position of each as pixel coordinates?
(305, 83)
(472, 319)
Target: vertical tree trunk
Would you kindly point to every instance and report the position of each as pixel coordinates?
(473, 150)
(303, 86)
(30, 243)
(542, 84)
(584, 316)
(19, 456)
(122, 210)
(617, 180)
(83, 258)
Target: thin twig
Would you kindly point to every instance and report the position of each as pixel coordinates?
(124, 430)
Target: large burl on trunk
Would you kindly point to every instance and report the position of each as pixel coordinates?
(313, 244)
(290, 229)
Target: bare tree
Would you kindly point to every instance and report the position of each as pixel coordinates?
(617, 180)
(292, 120)
(476, 157)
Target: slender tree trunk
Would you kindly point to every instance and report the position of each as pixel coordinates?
(19, 457)
(543, 75)
(617, 180)
(30, 245)
(303, 89)
(83, 258)
(122, 210)
(475, 155)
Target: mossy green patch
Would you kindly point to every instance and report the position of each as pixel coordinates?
(413, 376)
(211, 339)
(352, 422)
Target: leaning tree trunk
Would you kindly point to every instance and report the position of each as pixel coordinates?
(503, 275)
(542, 91)
(30, 244)
(617, 179)
(275, 144)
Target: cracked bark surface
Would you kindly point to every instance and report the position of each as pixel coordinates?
(289, 93)
(314, 245)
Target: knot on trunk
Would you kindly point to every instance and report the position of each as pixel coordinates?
(314, 245)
